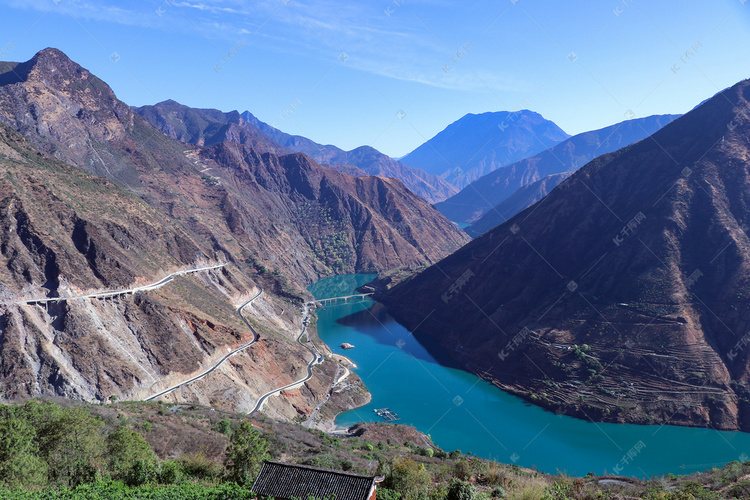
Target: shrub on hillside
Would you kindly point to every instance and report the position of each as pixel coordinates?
(408, 478)
(199, 466)
(460, 490)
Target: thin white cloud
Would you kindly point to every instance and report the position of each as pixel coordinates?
(88, 10)
(379, 38)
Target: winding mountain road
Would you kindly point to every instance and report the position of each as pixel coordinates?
(317, 355)
(115, 293)
(317, 359)
(256, 336)
(328, 396)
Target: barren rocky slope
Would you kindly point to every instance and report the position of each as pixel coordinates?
(624, 295)
(59, 239)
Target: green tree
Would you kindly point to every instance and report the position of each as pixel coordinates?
(246, 452)
(125, 448)
(386, 494)
(72, 443)
(224, 426)
(19, 464)
(38, 413)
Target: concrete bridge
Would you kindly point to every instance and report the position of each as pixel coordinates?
(342, 300)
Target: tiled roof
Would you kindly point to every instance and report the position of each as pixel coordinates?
(280, 480)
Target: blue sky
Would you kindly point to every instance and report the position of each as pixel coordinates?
(393, 73)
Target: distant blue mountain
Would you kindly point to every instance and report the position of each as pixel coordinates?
(483, 194)
(476, 145)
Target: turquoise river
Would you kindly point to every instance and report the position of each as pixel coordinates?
(461, 411)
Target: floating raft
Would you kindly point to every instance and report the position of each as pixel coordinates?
(387, 414)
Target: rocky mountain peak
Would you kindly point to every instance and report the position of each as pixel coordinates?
(53, 59)
(65, 111)
(54, 69)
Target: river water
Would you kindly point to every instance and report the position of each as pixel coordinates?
(460, 411)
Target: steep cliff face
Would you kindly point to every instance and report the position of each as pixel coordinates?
(58, 239)
(623, 295)
(67, 112)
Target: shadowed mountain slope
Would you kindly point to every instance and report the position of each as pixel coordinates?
(624, 295)
(523, 198)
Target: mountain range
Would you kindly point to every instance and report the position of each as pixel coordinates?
(371, 161)
(207, 127)
(479, 197)
(69, 113)
(617, 292)
(97, 198)
(622, 296)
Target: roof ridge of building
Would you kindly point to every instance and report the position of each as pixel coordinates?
(321, 469)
